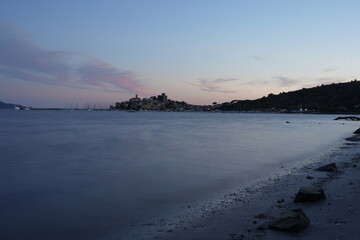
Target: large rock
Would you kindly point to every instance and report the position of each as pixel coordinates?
(310, 193)
(357, 131)
(352, 118)
(355, 138)
(291, 221)
(328, 168)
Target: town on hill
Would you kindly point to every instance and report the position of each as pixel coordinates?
(157, 103)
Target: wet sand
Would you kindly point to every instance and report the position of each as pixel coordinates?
(245, 214)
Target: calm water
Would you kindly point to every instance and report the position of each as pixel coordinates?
(88, 175)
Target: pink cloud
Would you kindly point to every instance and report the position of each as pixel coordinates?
(102, 74)
(21, 59)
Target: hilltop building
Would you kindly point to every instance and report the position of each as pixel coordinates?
(135, 99)
(162, 98)
(135, 103)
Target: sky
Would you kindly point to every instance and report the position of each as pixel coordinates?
(61, 53)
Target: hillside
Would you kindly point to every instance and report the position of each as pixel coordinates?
(9, 105)
(333, 98)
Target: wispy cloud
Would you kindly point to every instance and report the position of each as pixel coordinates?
(306, 82)
(332, 69)
(248, 83)
(101, 74)
(324, 80)
(214, 85)
(21, 59)
(276, 81)
(286, 81)
(258, 58)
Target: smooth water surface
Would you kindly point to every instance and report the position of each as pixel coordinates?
(88, 175)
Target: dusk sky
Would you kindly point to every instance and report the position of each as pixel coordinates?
(57, 53)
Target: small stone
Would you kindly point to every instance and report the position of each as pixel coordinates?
(261, 227)
(328, 168)
(260, 216)
(291, 221)
(309, 177)
(310, 193)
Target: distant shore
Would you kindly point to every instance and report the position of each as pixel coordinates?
(194, 110)
(246, 214)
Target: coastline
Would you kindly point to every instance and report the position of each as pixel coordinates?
(245, 214)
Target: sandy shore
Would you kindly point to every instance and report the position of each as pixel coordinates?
(245, 214)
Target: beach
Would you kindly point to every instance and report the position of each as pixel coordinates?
(245, 214)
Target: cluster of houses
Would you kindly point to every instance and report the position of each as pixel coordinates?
(157, 103)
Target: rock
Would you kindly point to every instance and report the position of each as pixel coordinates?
(352, 118)
(261, 216)
(357, 131)
(309, 177)
(355, 138)
(261, 227)
(328, 168)
(310, 193)
(291, 221)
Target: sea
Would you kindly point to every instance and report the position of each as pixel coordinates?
(101, 175)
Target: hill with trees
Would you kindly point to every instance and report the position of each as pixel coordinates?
(333, 98)
(9, 105)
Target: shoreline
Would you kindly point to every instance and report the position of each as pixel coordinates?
(245, 214)
(183, 111)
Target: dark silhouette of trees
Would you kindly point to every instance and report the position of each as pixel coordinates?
(333, 98)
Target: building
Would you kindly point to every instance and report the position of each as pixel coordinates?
(162, 98)
(135, 103)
